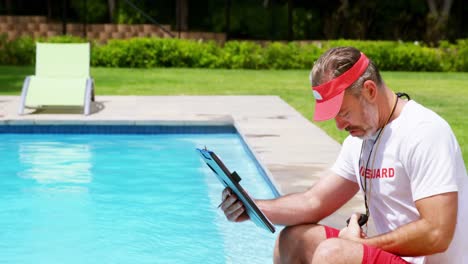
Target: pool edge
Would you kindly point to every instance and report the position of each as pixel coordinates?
(225, 121)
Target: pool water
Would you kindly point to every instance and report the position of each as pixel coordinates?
(68, 198)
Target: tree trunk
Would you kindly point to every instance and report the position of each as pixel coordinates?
(85, 19)
(182, 8)
(227, 17)
(290, 20)
(111, 6)
(336, 24)
(9, 7)
(437, 20)
(49, 10)
(64, 16)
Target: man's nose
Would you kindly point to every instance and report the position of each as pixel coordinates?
(341, 123)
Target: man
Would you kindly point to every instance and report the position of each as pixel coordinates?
(402, 156)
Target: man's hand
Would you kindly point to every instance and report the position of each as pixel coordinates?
(233, 209)
(353, 231)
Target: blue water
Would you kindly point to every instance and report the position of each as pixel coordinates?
(123, 199)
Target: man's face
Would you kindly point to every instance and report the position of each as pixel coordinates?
(357, 116)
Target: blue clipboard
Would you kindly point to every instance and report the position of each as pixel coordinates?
(232, 180)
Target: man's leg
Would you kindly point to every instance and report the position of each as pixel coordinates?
(296, 244)
(337, 251)
(319, 244)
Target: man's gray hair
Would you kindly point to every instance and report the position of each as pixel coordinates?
(337, 61)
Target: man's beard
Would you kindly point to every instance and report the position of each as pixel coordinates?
(369, 114)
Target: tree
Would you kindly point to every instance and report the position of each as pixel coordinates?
(437, 20)
(111, 6)
(8, 6)
(182, 9)
(350, 19)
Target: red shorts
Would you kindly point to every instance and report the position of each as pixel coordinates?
(371, 255)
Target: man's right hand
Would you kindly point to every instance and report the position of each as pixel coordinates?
(232, 207)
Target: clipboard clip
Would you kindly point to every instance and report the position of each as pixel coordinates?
(235, 176)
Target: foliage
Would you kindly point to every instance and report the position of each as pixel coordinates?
(147, 53)
(138, 11)
(397, 55)
(90, 11)
(264, 22)
(306, 24)
(157, 52)
(406, 20)
(63, 39)
(278, 55)
(241, 55)
(461, 63)
(20, 51)
(455, 55)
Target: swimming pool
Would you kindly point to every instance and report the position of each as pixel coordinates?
(124, 198)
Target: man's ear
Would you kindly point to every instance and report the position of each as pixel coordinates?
(369, 90)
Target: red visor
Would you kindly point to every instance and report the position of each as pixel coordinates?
(329, 96)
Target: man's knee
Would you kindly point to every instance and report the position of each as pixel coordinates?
(287, 245)
(335, 250)
(328, 248)
(301, 234)
(297, 243)
(288, 235)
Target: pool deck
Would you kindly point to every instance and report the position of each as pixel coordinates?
(293, 151)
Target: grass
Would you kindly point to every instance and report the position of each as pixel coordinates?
(445, 93)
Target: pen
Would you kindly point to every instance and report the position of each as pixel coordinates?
(223, 200)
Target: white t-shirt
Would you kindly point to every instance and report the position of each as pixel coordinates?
(418, 156)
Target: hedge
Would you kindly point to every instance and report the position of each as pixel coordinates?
(156, 52)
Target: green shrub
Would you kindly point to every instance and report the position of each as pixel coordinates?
(208, 54)
(20, 51)
(460, 59)
(3, 43)
(184, 53)
(377, 51)
(397, 56)
(63, 39)
(153, 52)
(449, 55)
(198, 54)
(136, 53)
(156, 52)
(278, 55)
(110, 55)
(308, 54)
(241, 55)
(410, 57)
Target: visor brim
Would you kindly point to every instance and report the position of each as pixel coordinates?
(326, 110)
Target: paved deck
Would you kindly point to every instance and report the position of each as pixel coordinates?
(293, 151)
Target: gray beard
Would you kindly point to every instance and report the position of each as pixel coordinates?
(370, 114)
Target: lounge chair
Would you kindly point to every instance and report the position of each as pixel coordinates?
(62, 78)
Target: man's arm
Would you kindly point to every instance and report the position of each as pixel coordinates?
(311, 206)
(431, 234)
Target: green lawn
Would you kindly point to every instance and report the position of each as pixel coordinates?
(445, 93)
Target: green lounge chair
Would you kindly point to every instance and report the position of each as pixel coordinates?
(62, 78)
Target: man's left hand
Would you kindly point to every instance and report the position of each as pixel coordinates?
(353, 231)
